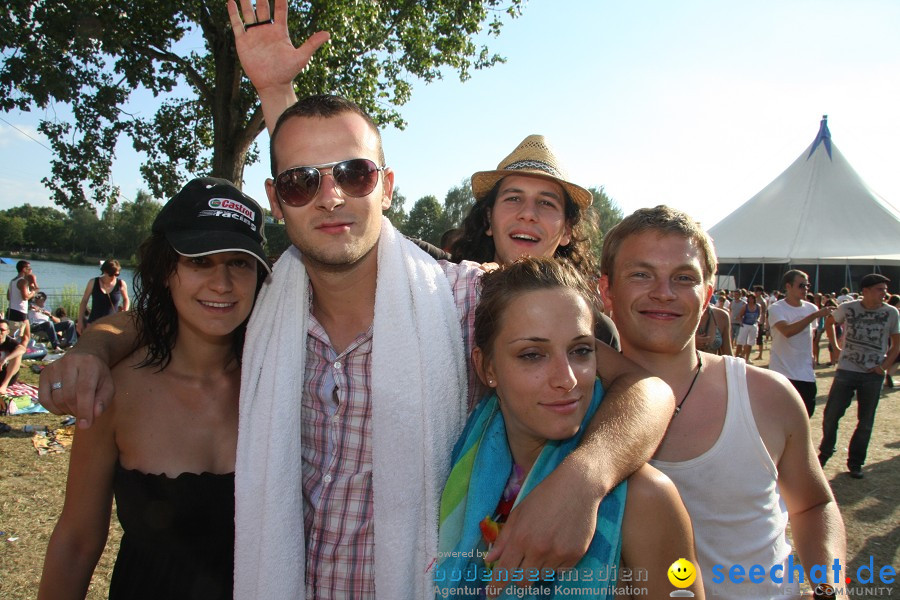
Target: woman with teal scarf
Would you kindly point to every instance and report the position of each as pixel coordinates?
(535, 349)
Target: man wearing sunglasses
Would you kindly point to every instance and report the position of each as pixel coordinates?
(792, 323)
(330, 186)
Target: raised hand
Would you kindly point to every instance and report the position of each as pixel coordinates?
(264, 45)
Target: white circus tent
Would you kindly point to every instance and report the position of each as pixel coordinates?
(817, 212)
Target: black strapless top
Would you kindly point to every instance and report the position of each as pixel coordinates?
(178, 540)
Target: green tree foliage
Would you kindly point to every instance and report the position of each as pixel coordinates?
(118, 234)
(397, 212)
(457, 204)
(425, 220)
(133, 223)
(12, 231)
(277, 240)
(87, 238)
(85, 58)
(604, 214)
(44, 226)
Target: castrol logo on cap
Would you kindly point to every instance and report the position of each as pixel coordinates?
(233, 206)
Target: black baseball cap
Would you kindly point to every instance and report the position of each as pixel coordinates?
(211, 215)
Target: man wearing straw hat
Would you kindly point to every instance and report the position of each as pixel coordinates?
(528, 207)
(376, 376)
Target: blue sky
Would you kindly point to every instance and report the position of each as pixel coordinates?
(696, 103)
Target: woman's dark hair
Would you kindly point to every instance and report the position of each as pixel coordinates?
(476, 245)
(111, 267)
(527, 274)
(154, 311)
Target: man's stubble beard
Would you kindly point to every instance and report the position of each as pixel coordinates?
(323, 263)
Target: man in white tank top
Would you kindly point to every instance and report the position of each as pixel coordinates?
(738, 447)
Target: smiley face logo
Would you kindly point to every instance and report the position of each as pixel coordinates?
(682, 573)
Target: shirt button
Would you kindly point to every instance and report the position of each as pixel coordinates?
(335, 418)
(337, 365)
(327, 479)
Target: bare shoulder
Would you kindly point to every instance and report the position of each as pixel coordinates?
(772, 392)
(778, 410)
(720, 312)
(131, 380)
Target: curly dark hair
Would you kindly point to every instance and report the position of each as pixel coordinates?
(154, 311)
(476, 245)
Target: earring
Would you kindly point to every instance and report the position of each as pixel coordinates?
(490, 382)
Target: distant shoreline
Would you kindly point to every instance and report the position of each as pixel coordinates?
(73, 258)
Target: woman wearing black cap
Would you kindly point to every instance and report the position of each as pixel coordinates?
(166, 447)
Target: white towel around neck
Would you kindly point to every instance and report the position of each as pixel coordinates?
(418, 406)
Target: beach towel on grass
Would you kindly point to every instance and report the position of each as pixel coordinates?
(418, 409)
(482, 464)
(22, 399)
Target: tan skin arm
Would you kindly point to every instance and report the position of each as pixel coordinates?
(80, 534)
(831, 333)
(13, 364)
(552, 527)
(126, 302)
(82, 307)
(817, 528)
(27, 290)
(792, 329)
(893, 351)
(84, 371)
(656, 531)
(723, 321)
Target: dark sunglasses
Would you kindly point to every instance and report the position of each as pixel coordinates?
(356, 178)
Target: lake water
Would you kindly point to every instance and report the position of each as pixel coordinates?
(52, 277)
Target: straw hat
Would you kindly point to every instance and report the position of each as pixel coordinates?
(532, 157)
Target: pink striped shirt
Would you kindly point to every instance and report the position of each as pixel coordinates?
(337, 450)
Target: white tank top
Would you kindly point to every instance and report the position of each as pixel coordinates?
(16, 300)
(737, 513)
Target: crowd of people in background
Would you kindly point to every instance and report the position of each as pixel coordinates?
(863, 341)
(31, 328)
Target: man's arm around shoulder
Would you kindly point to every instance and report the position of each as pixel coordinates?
(82, 377)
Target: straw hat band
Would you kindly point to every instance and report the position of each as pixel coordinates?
(532, 157)
(534, 164)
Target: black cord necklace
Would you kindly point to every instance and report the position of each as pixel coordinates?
(693, 381)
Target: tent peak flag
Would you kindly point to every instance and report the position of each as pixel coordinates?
(823, 137)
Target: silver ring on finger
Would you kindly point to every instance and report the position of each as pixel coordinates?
(56, 385)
